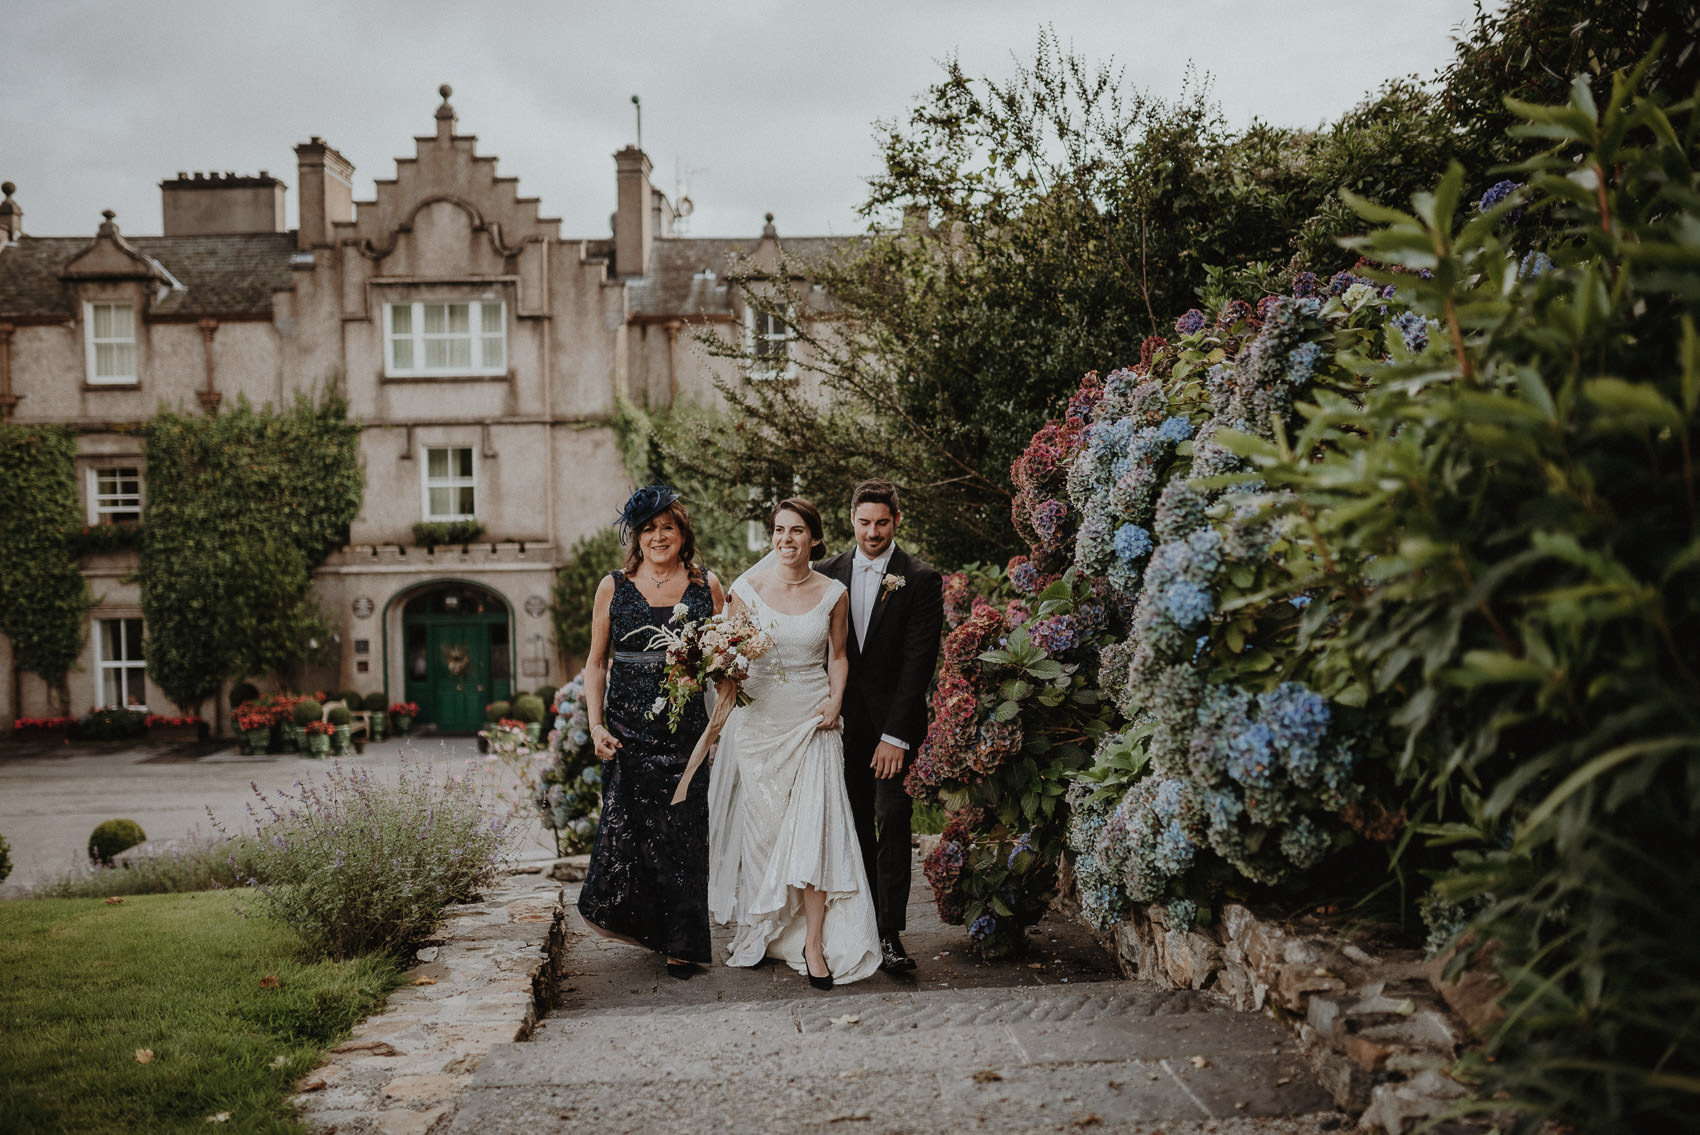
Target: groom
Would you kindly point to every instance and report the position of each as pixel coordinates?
(896, 614)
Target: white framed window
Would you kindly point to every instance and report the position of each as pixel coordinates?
(451, 483)
(770, 344)
(109, 332)
(453, 338)
(115, 494)
(121, 672)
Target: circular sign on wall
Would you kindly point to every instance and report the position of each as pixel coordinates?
(363, 608)
(536, 605)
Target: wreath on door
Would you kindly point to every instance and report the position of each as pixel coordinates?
(456, 658)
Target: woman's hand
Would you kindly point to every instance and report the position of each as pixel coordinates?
(606, 743)
(828, 711)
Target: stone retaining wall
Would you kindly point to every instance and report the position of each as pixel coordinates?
(1381, 1026)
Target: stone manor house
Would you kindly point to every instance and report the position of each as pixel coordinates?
(482, 352)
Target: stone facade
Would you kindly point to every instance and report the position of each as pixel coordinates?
(483, 353)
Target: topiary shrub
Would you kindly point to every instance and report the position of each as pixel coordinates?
(546, 695)
(497, 710)
(308, 710)
(528, 708)
(350, 698)
(374, 703)
(242, 693)
(5, 859)
(338, 715)
(114, 836)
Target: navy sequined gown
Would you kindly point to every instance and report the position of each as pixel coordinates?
(648, 877)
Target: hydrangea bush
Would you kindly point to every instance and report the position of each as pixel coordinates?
(569, 792)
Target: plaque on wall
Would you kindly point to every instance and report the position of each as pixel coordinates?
(536, 605)
(362, 646)
(362, 608)
(534, 667)
(362, 666)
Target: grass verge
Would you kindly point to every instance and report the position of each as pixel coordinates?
(85, 984)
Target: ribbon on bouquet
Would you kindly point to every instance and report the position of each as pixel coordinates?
(725, 698)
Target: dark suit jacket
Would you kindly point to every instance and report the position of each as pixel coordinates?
(890, 672)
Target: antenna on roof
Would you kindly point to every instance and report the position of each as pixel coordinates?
(638, 103)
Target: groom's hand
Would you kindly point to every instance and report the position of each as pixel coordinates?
(888, 760)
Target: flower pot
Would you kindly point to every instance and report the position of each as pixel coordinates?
(534, 732)
(258, 741)
(344, 738)
(291, 736)
(403, 724)
(318, 744)
(379, 726)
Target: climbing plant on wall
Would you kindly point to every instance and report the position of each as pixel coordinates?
(242, 506)
(42, 594)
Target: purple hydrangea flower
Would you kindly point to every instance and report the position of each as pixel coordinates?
(983, 927)
(1190, 323)
(1413, 328)
(1304, 285)
(1301, 363)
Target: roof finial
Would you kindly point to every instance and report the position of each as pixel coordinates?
(108, 227)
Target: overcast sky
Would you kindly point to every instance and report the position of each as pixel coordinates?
(757, 105)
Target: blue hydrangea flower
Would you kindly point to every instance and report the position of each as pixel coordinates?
(1251, 756)
(1186, 604)
(1181, 914)
(1222, 809)
(1190, 323)
(1024, 844)
(1174, 851)
(1534, 264)
(1301, 363)
(1132, 542)
(1413, 328)
(1498, 192)
(1175, 429)
(983, 927)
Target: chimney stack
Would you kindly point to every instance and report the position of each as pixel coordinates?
(220, 203)
(327, 192)
(634, 219)
(11, 216)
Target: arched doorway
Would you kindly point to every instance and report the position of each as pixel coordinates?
(457, 653)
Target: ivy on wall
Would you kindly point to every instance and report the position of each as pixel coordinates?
(42, 595)
(241, 507)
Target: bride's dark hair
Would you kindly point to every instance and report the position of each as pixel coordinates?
(811, 517)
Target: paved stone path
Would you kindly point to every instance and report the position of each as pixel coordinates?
(1054, 1041)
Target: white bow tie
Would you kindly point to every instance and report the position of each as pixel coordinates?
(867, 567)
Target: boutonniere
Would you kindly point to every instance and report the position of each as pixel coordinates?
(891, 583)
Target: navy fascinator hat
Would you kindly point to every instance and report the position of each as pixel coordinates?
(642, 505)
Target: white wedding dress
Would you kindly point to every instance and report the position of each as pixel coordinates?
(778, 814)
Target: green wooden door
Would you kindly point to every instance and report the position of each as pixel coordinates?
(458, 658)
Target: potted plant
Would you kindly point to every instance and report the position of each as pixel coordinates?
(493, 713)
(402, 714)
(342, 722)
(318, 734)
(177, 728)
(529, 709)
(39, 730)
(378, 724)
(302, 712)
(255, 723)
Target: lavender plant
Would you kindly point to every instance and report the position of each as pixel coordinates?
(358, 866)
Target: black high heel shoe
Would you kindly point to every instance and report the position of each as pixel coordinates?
(822, 983)
(684, 971)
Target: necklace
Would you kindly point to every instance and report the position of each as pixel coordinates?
(792, 582)
(661, 580)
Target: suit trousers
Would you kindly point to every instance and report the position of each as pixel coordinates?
(881, 809)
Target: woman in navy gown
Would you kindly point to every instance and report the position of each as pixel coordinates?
(648, 878)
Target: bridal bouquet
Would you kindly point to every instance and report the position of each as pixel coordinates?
(717, 650)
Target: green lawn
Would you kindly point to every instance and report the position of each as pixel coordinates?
(84, 984)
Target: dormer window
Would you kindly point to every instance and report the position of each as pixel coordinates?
(445, 339)
(109, 331)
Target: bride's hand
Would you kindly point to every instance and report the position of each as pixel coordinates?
(828, 712)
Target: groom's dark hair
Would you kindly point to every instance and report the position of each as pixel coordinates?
(875, 491)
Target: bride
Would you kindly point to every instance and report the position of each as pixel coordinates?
(784, 861)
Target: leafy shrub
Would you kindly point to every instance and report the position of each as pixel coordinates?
(113, 836)
(1014, 714)
(528, 708)
(1504, 543)
(374, 703)
(569, 789)
(497, 710)
(357, 865)
(5, 859)
(350, 698)
(306, 711)
(90, 539)
(43, 597)
(546, 695)
(574, 593)
(430, 533)
(111, 724)
(196, 865)
(243, 692)
(338, 715)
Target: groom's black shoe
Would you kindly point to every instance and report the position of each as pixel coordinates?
(893, 957)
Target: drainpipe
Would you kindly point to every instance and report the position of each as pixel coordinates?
(209, 397)
(672, 361)
(8, 400)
